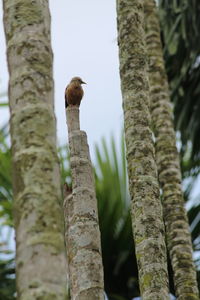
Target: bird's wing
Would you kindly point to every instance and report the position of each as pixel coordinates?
(66, 102)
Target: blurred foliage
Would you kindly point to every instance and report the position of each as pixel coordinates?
(180, 31)
(120, 268)
(7, 268)
(180, 26)
(7, 278)
(5, 178)
(7, 273)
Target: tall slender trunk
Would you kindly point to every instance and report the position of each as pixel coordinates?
(40, 254)
(177, 231)
(82, 236)
(146, 209)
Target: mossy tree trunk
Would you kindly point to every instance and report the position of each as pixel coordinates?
(81, 218)
(147, 221)
(177, 229)
(40, 254)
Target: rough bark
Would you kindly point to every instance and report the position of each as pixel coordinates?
(146, 211)
(177, 231)
(83, 236)
(40, 254)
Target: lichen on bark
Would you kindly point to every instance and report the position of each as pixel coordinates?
(177, 229)
(81, 218)
(40, 253)
(146, 210)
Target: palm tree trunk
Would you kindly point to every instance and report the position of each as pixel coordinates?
(81, 218)
(40, 254)
(146, 209)
(177, 231)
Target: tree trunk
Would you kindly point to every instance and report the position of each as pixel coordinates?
(81, 218)
(40, 254)
(146, 208)
(177, 231)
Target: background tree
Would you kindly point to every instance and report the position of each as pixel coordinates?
(146, 210)
(177, 232)
(180, 29)
(40, 256)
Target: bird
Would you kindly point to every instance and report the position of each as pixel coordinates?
(74, 92)
(67, 190)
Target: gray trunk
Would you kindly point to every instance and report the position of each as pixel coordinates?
(177, 229)
(40, 254)
(146, 212)
(81, 218)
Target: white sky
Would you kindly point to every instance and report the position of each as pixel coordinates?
(84, 41)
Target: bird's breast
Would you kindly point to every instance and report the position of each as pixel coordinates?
(74, 94)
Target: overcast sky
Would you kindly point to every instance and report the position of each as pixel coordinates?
(84, 41)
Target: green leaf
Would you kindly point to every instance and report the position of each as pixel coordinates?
(3, 104)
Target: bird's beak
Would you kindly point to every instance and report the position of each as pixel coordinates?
(82, 82)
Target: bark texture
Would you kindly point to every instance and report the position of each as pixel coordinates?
(83, 236)
(147, 222)
(177, 229)
(40, 253)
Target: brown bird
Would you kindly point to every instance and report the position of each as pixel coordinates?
(67, 190)
(74, 92)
